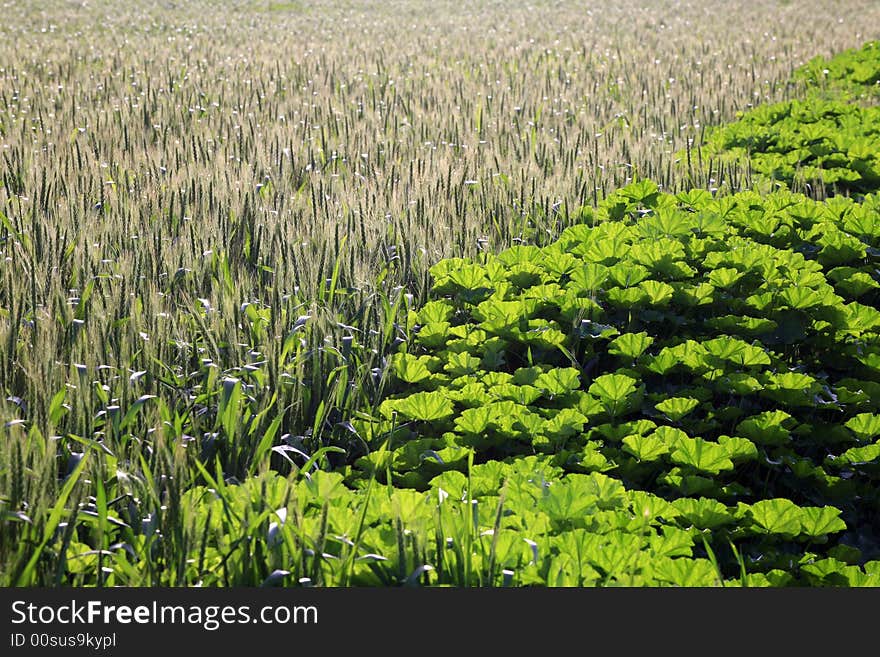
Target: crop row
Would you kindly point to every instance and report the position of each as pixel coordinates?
(826, 142)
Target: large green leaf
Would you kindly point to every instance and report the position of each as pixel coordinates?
(460, 364)
(433, 334)
(675, 408)
(613, 388)
(736, 351)
(615, 554)
(645, 448)
(425, 406)
(658, 293)
(564, 423)
(702, 513)
(469, 276)
(685, 572)
(609, 492)
(864, 425)
(475, 420)
(701, 455)
(436, 311)
(724, 277)
(767, 428)
(523, 395)
(775, 516)
(558, 381)
(410, 368)
(820, 521)
(738, 449)
(627, 275)
(672, 542)
(630, 345)
(859, 455)
(569, 563)
(568, 501)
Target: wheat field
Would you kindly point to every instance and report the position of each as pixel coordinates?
(201, 192)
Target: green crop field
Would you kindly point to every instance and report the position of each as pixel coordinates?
(418, 293)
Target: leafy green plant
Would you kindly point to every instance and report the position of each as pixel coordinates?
(825, 142)
(816, 142)
(750, 392)
(852, 72)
